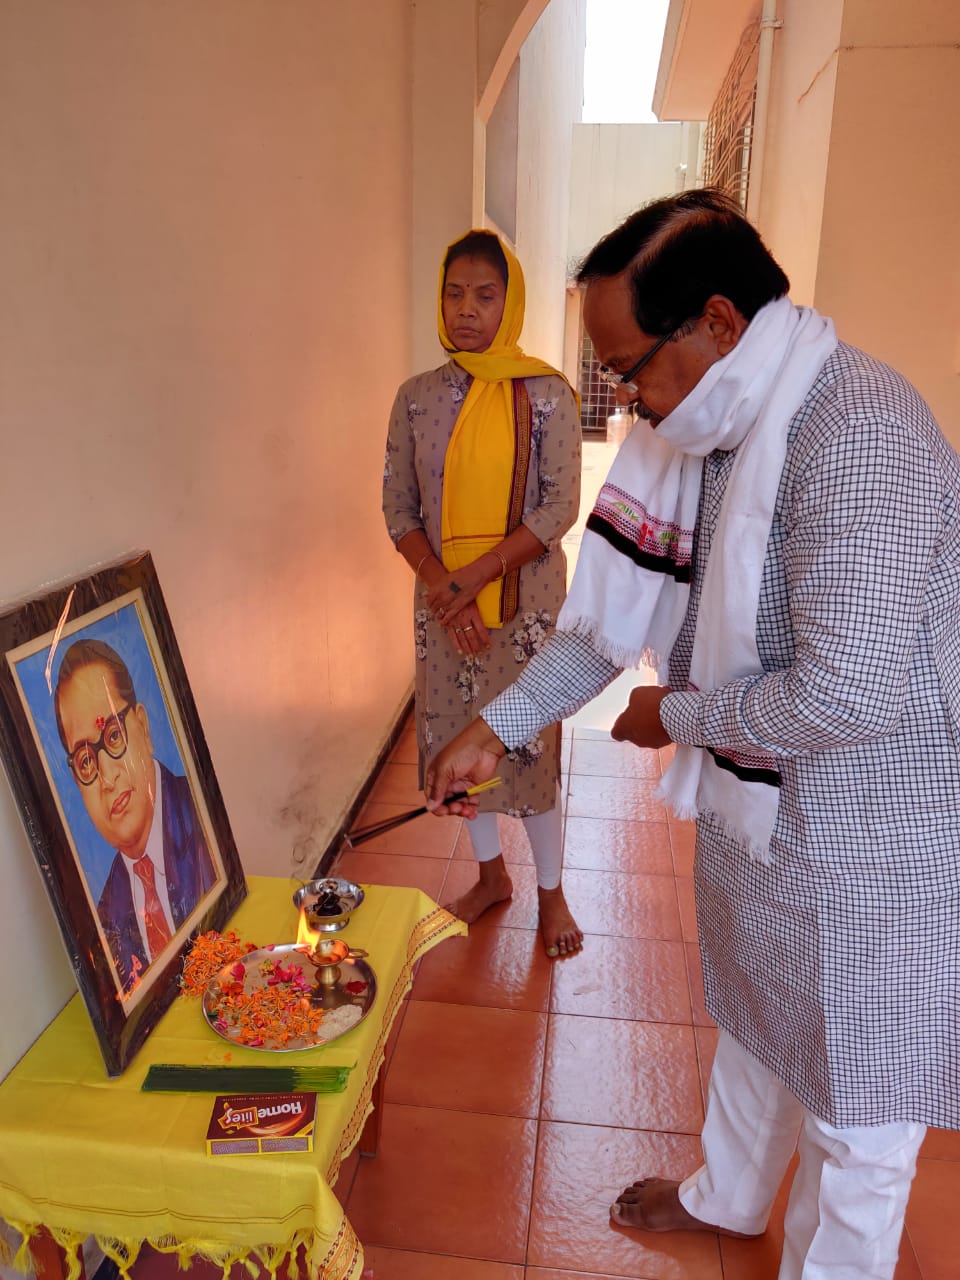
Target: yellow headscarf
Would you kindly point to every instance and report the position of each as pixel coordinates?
(479, 467)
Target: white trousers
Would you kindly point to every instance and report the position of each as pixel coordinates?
(846, 1208)
(544, 831)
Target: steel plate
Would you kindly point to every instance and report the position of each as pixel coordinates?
(355, 986)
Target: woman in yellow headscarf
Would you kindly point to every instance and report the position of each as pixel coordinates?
(482, 480)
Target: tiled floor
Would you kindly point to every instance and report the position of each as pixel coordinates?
(523, 1094)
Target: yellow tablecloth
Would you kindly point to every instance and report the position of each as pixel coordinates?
(83, 1155)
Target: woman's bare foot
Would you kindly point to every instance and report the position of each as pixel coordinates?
(559, 930)
(653, 1204)
(493, 886)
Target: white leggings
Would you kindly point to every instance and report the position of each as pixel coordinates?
(544, 831)
(846, 1208)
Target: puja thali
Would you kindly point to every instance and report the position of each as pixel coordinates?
(287, 997)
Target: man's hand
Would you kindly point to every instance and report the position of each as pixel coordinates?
(470, 758)
(640, 723)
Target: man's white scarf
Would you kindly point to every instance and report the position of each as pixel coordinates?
(630, 590)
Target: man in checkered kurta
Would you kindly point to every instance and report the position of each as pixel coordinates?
(831, 963)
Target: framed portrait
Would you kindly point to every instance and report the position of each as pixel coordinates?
(105, 753)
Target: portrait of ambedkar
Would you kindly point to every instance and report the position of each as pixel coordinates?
(162, 867)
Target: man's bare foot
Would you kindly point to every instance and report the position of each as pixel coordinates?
(653, 1204)
(493, 886)
(559, 930)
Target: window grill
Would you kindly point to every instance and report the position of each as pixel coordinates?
(729, 132)
(597, 398)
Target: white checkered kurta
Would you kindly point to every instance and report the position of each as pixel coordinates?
(838, 965)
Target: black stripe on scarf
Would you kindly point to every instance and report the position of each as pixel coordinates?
(657, 564)
(770, 776)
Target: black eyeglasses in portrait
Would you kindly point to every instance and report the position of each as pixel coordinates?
(84, 758)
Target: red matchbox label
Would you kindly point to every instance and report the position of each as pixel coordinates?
(259, 1123)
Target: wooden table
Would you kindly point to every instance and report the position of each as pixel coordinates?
(82, 1155)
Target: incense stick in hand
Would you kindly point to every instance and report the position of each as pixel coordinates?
(353, 838)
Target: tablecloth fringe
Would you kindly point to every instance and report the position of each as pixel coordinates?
(341, 1260)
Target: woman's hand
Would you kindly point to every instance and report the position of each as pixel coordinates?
(470, 758)
(640, 723)
(467, 633)
(449, 595)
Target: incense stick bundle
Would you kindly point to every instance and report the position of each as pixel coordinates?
(381, 828)
(170, 1078)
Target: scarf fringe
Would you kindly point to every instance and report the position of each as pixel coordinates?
(619, 655)
(755, 851)
(682, 810)
(689, 811)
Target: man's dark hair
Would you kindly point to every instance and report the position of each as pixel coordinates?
(478, 244)
(681, 250)
(89, 653)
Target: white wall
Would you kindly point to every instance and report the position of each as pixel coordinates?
(206, 284)
(460, 51)
(500, 156)
(618, 167)
(551, 100)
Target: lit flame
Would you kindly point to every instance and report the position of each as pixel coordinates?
(307, 938)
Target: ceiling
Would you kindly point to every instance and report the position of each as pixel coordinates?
(699, 42)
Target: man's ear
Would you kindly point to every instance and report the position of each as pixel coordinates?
(725, 323)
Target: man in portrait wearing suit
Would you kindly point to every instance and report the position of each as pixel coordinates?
(163, 866)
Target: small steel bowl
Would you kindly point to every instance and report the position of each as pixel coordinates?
(310, 895)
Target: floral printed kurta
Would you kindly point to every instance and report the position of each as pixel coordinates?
(450, 688)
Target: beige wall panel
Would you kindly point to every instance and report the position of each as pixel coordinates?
(798, 139)
(502, 27)
(875, 23)
(889, 264)
(205, 271)
(444, 93)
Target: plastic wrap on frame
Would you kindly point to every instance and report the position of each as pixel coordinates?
(114, 615)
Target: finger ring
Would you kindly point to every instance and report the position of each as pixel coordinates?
(468, 628)
(454, 588)
(458, 630)
(440, 613)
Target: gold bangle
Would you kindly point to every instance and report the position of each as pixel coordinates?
(424, 559)
(503, 560)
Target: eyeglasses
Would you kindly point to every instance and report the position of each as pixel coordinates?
(625, 380)
(84, 758)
